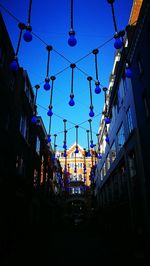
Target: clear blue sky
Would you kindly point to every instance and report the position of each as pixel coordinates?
(51, 21)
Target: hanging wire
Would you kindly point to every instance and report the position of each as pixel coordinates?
(71, 102)
(49, 48)
(88, 144)
(77, 127)
(75, 164)
(50, 113)
(14, 64)
(27, 36)
(91, 139)
(91, 114)
(97, 83)
(72, 39)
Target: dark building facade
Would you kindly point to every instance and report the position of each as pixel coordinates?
(26, 165)
(123, 174)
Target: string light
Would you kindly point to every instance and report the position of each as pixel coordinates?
(76, 151)
(27, 36)
(71, 102)
(91, 114)
(88, 152)
(14, 64)
(72, 41)
(50, 113)
(49, 48)
(91, 140)
(97, 83)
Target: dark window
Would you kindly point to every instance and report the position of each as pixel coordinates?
(140, 65)
(129, 120)
(132, 164)
(120, 137)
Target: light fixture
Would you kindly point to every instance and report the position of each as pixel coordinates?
(128, 71)
(27, 36)
(118, 40)
(88, 152)
(49, 48)
(76, 150)
(72, 102)
(91, 113)
(97, 83)
(14, 64)
(91, 140)
(72, 41)
(50, 113)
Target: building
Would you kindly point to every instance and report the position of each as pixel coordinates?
(122, 175)
(81, 160)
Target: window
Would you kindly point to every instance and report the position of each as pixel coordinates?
(132, 165)
(113, 152)
(120, 137)
(24, 127)
(140, 64)
(38, 145)
(129, 120)
(108, 161)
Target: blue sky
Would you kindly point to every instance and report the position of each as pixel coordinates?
(93, 25)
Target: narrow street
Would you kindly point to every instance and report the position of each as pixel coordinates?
(57, 238)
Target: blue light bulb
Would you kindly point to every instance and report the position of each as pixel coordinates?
(47, 86)
(107, 120)
(34, 119)
(91, 113)
(128, 72)
(118, 43)
(72, 41)
(48, 138)
(107, 139)
(75, 170)
(92, 145)
(65, 154)
(97, 89)
(14, 65)
(88, 154)
(50, 113)
(99, 156)
(27, 36)
(76, 151)
(64, 146)
(53, 157)
(71, 102)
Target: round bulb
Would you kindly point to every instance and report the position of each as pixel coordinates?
(47, 86)
(99, 156)
(107, 120)
(14, 65)
(64, 146)
(107, 139)
(65, 154)
(91, 113)
(34, 119)
(88, 154)
(72, 40)
(92, 145)
(75, 170)
(97, 89)
(71, 102)
(50, 113)
(118, 43)
(27, 36)
(53, 157)
(128, 72)
(76, 151)
(49, 139)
